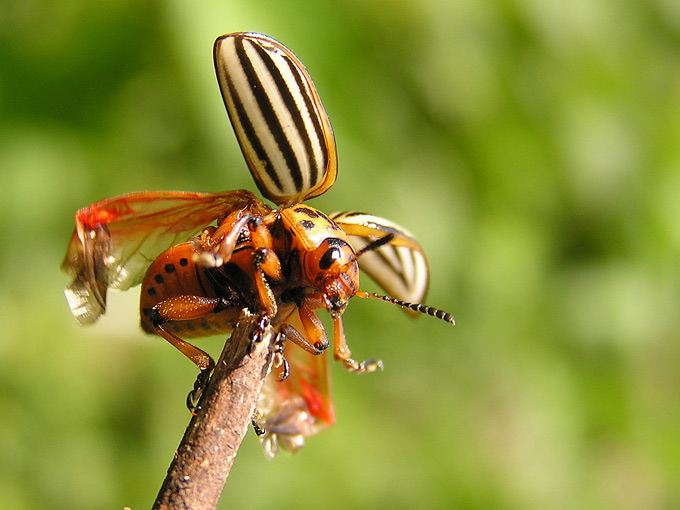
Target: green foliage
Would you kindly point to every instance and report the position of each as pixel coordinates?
(532, 147)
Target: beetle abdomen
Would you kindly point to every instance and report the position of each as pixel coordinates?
(174, 274)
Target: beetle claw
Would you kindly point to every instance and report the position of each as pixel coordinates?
(280, 360)
(260, 431)
(195, 395)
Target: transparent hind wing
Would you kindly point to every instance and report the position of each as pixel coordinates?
(292, 410)
(115, 240)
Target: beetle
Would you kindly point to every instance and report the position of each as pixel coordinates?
(202, 257)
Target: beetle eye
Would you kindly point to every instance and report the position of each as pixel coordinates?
(332, 254)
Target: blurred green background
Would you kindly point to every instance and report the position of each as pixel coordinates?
(532, 147)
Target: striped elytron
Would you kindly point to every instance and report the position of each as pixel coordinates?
(280, 123)
(284, 264)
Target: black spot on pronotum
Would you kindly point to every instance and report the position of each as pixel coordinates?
(307, 224)
(306, 211)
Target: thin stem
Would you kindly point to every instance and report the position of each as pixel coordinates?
(204, 458)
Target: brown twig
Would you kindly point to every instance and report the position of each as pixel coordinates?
(204, 458)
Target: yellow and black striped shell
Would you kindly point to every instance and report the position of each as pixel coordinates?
(279, 120)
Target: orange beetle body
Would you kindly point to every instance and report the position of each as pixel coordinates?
(269, 261)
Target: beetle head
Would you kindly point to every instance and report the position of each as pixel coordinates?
(333, 270)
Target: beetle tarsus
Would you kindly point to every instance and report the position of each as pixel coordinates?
(364, 367)
(258, 332)
(260, 431)
(199, 387)
(280, 360)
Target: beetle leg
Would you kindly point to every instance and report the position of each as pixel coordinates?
(215, 246)
(313, 325)
(226, 234)
(298, 339)
(279, 358)
(342, 353)
(267, 299)
(256, 427)
(200, 358)
(182, 308)
(263, 323)
(206, 234)
(266, 264)
(229, 239)
(267, 259)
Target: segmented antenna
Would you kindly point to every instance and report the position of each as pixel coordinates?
(416, 307)
(374, 245)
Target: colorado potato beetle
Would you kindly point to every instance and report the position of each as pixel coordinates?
(202, 257)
